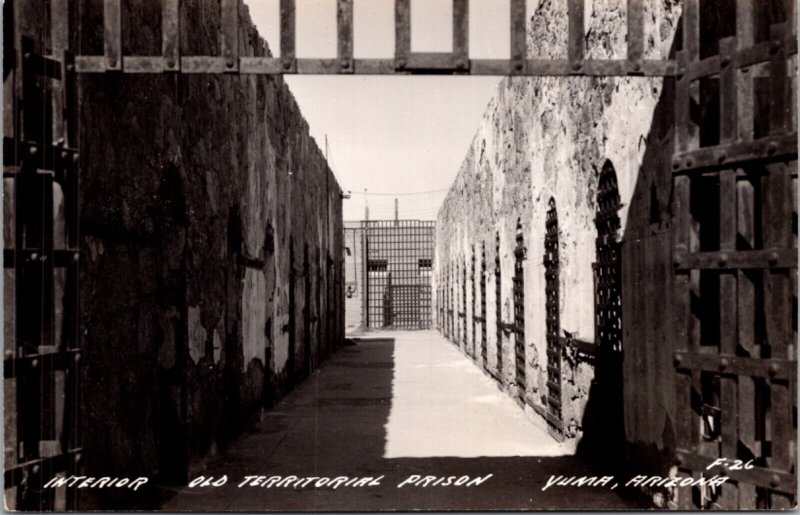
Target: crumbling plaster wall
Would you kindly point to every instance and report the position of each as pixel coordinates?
(193, 189)
(542, 138)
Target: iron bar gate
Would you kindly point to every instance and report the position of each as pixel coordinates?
(735, 256)
(519, 309)
(457, 62)
(399, 261)
(41, 263)
(554, 342)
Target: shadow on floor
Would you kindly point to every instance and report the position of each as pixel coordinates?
(334, 424)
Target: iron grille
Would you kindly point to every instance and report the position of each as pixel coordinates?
(552, 292)
(41, 258)
(398, 285)
(474, 302)
(463, 313)
(519, 309)
(498, 292)
(735, 255)
(484, 346)
(608, 308)
(404, 61)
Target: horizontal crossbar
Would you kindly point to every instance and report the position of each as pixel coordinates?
(418, 64)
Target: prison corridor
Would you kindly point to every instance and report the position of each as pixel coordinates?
(408, 415)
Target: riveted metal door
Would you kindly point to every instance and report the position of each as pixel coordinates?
(41, 259)
(734, 253)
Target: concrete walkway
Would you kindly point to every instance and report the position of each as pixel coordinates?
(409, 404)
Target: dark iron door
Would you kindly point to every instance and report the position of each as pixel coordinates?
(734, 255)
(552, 293)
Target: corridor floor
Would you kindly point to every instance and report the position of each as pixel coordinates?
(397, 405)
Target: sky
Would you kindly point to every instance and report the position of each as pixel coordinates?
(391, 137)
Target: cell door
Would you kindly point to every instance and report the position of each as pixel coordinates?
(735, 253)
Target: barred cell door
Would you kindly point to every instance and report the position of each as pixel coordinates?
(41, 259)
(519, 310)
(552, 272)
(734, 254)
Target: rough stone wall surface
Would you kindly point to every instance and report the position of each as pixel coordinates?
(543, 138)
(196, 191)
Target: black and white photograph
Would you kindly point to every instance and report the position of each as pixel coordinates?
(400, 255)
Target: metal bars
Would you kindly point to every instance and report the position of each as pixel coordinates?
(607, 280)
(399, 259)
(552, 294)
(498, 305)
(405, 61)
(42, 263)
(519, 310)
(735, 261)
(484, 343)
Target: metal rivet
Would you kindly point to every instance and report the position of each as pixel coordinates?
(76, 256)
(287, 64)
(35, 469)
(64, 155)
(75, 158)
(775, 480)
(678, 359)
(772, 148)
(676, 164)
(745, 69)
(34, 256)
(773, 258)
(723, 259)
(725, 62)
(77, 357)
(8, 354)
(462, 63)
(112, 63)
(722, 157)
(637, 67)
(345, 64)
(577, 66)
(723, 363)
(773, 369)
(170, 63)
(774, 47)
(678, 461)
(401, 63)
(230, 62)
(70, 67)
(34, 363)
(518, 66)
(689, 163)
(77, 457)
(28, 55)
(33, 149)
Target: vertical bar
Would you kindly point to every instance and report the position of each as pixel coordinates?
(778, 98)
(288, 26)
(344, 28)
(691, 30)
(59, 30)
(576, 41)
(402, 31)
(230, 33)
(112, 45)
(744, 79)
(519, 53)
(635, 34)
(170, 34)
(461, 33)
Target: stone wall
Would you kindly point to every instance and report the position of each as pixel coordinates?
(543, 138)
(212, 280)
